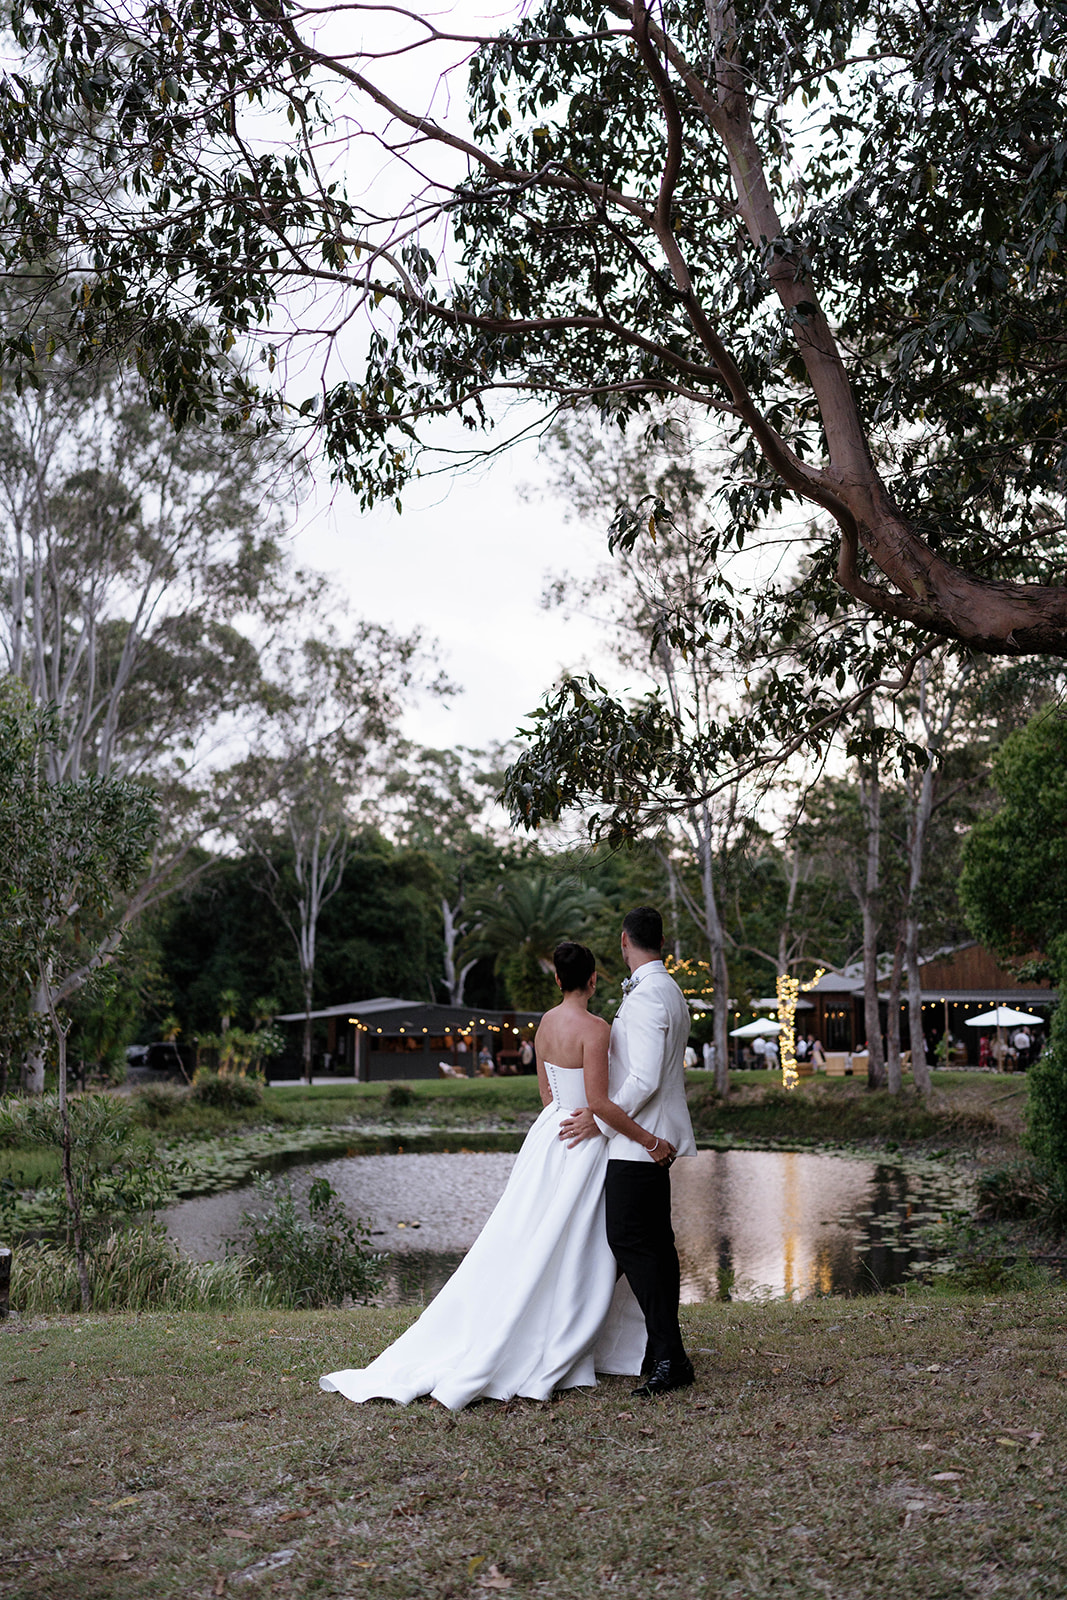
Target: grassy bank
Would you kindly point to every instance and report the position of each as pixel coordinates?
(912, 1446)
(972, 1110)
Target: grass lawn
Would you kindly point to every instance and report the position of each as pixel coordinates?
(909, 1447)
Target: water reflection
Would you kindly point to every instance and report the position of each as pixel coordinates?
(780, 1224)
(750, 1224)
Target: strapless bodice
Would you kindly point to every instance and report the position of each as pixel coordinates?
(567, 1085)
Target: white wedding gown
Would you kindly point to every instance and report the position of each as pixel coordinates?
(534, 1305)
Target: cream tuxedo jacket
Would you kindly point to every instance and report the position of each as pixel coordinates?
(646, 1064)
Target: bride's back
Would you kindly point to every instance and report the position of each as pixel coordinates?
(565, 1031)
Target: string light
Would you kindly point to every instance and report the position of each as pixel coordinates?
(692, 977)
(788, 991)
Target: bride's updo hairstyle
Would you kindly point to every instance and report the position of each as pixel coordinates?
(574, 965)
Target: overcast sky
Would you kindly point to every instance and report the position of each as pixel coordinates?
(466, 562)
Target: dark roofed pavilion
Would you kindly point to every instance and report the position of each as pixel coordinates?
(387, 1038)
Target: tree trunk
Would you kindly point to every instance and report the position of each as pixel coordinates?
(308, 984)
(455, 982)
(893, 1070)
(871, 800)
(33, 1065)
(69, 1187)
(919, 822)
(920, 1067)
(33, 1071)
(672, 890)
(720, 973)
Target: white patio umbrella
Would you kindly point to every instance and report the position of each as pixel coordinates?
(756, 1030)
(1001, 1017)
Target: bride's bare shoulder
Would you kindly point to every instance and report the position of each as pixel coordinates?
(596, 1027)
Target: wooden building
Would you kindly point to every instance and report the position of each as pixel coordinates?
(387, 1038)
(956, 984)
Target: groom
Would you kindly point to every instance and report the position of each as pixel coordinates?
(646, 1067)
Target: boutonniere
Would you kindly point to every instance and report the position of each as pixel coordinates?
(628, 984)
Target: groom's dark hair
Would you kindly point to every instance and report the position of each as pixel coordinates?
(574, 965)
(644, 927)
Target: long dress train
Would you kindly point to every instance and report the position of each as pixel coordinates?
(534, 1305)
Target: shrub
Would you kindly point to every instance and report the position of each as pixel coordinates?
(313, 1256)
(1046, 1101)
(110, 1175)
(398, 1094)
(226, 1091)
(156, 1102)
(1023, 1189)
(133, 1269)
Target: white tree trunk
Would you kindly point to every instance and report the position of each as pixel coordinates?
(455, 982)
(919, 821)
(892, 1060)
(871, 801)
(720, 972)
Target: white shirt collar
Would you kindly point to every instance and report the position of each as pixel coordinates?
(630, 983)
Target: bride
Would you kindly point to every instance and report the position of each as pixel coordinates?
(535, 1304)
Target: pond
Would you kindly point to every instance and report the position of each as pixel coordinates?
(750, 1224)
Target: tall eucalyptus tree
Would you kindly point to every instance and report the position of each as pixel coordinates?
(837, 229)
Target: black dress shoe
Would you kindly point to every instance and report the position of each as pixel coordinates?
(667, 1376)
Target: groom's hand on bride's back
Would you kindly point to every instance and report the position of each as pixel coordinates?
(578, 1126)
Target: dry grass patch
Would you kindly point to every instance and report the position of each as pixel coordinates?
(844, 1448)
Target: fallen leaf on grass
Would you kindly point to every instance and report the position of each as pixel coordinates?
(473, 1564)
(368, 1564)
(494, 1579)
(127, 1500)
(220, 1585)
(945, 1477)
(75, 1461)
(123, 1555)
(19, 1419)
(19, 1380)
(294, 1516)
(239, 1533)
(1010, 1444)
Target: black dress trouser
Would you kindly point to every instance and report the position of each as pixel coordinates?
(637, 1201)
